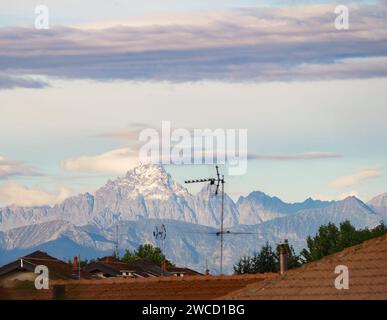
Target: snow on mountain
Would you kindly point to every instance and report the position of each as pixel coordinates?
(77, 209)
(189, 244)
(147, 192)
(13, 217)
(36, 234)
(258, 207)
(208, 207)
(379, 205)
(85, 224)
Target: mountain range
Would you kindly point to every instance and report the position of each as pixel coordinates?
(128, 208)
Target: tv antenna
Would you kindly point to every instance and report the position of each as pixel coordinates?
(216, 181)
(160, 233)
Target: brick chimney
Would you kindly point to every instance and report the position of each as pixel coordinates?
(283, 257)
(75, 262)
(163, 266)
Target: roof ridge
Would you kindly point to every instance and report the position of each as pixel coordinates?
(44, 259)
(260, 276)
(314, 269)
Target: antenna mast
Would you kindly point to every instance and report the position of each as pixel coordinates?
(117, 243)
(119, 232)
(218, 180)
(160, 233)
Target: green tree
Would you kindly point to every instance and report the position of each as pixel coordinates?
(129, 256)
(324, 243)
(146, 251)
(330, 239)
(265, 260)
(244, 266)
(149, 252)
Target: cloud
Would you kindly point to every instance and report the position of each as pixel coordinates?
(11, 82)
(357, 178)
(116, 161)
(18, 195)
(9, 168)
(119, 161)
(261, 44)
(301, 156)
(130, 135)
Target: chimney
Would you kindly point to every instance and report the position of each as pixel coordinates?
(75, 263)
(283, 257)
(163, 266)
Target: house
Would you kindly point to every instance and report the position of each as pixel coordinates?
(181, 272)
(110, 266)
(23, 269)
(366, 264)
(367, 277)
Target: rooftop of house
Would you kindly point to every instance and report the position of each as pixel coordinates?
(58, 268)
(160, 288)
(115, 267)
(367, 266)
(184, 271)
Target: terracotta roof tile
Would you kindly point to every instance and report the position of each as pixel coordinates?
(56, 267)
(185, 271)
(367, 265)
(114, 267)
(168, 288)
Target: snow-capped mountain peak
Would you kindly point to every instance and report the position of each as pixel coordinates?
(379, 201)
(354, 202)
(379, 205)
(147, 195)
(148, 180)
(147, 191)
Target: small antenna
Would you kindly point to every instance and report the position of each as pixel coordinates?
(160, 234)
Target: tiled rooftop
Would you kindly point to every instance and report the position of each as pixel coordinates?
(58, 268)
(160, 288)
(367, 265)
(142, 267)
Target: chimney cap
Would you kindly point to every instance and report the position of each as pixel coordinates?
(283, 247)
(283, 250)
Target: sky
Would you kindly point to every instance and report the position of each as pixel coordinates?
(74, 98)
